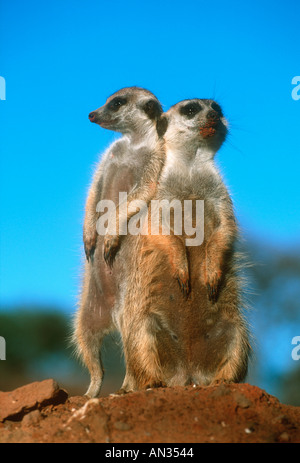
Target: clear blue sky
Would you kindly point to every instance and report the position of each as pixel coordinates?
(61, 59)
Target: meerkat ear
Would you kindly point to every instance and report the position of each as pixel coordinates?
(162, 125)
(153, 109)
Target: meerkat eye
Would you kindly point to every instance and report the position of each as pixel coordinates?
(190, 110)
(116, 103)
(217, 108)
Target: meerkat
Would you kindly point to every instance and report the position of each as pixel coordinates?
(204, 339)
(131, 164)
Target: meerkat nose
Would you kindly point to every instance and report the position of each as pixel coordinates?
(213, 115)
(92, 116)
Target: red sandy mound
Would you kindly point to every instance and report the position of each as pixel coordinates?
(41, 412)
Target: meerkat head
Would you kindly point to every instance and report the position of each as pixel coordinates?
(196, 123)
(131, 110)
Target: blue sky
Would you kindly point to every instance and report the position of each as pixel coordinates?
(62, 59)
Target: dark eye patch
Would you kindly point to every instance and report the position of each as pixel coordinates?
(190, 110)
(116, 103)
(217, 108)
(153, 109)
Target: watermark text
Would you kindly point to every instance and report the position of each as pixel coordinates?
(174, 217)
(2, 88)
(2, 348)
(296, 90)
(296, 350)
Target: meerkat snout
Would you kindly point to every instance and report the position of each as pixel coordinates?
(92, 116)
(212, 125)
(213, 115)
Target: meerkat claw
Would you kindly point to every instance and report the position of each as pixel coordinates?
(212, 292)
(184, 286)
(109, 257)
(89, 252)
(111, 246)
(90, 243)
(156, 384)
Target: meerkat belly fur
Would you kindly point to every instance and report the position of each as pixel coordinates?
(132, 165)
(204, 339)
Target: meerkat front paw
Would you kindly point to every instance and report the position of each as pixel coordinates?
(213, 285)
(184, 282)
(111, 246)
(90, 242)
(212, 279)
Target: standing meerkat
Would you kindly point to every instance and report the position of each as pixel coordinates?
(205, 338)
(131, 165)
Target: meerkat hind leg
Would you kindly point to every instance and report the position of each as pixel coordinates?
(94, 364)
(234, 366)
(90, 346)
(129, 384)
(90, 329)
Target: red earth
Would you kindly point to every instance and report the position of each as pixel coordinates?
(230, 413)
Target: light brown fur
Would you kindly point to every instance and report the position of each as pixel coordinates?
(205, 339)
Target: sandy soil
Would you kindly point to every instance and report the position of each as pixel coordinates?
(42, 412)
